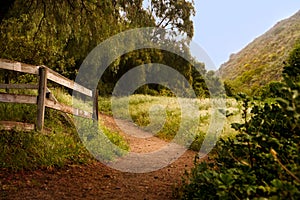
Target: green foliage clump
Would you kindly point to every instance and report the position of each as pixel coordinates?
(262, 161)
(271, 90)
(229, 89)
(292, 68)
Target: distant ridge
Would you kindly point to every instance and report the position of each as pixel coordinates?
(261, 61)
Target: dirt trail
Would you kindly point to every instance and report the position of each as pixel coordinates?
(97, 181)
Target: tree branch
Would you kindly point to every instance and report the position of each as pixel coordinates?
(40, 22)
(160, 23)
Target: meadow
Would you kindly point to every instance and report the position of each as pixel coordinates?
(185, 121)
(163, 116)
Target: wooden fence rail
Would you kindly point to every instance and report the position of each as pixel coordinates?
(41, 100)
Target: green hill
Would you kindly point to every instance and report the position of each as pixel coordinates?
(261, 61)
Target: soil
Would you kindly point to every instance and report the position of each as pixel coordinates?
(98, 181)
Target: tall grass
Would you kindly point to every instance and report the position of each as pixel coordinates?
(101, 142)
(57, 146)
(30, 150)
(163, 115)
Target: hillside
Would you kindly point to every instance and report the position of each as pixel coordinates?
(261, 61)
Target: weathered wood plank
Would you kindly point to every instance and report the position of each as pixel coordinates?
(52, 75)
(67, 109)
(17, 66)
(56, 77)
(41, 98)
(18, 86)
(18, 98)
(9, 125)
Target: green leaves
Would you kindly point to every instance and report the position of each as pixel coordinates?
(175, 15)
(237, 126)
(262, 161)
(226, 180)
(60, 34)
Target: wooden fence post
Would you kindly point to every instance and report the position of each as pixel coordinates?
(95, 104)
(41, 98)
(6, 80)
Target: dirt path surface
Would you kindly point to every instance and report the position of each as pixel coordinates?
(98, 181)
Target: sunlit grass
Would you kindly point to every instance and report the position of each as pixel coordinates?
(57, 146)
(163, 115)
(62, 96)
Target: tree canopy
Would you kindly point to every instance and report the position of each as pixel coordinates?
(60, 34)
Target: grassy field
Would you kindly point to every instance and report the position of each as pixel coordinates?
(61, 144)
(162, 115)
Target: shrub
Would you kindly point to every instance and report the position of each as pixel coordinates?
(271, 90)
(262, 161)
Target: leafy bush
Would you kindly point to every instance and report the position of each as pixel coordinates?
(271, 90)
(229, 89)
(263, 160)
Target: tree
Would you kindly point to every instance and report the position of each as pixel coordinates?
(229, 89)
(52, 32)
(292, 66)
(61, 33)
(173, 15)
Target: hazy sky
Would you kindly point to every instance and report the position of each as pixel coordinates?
(223, 27)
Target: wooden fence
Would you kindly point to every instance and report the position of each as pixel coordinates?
(42, 100)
